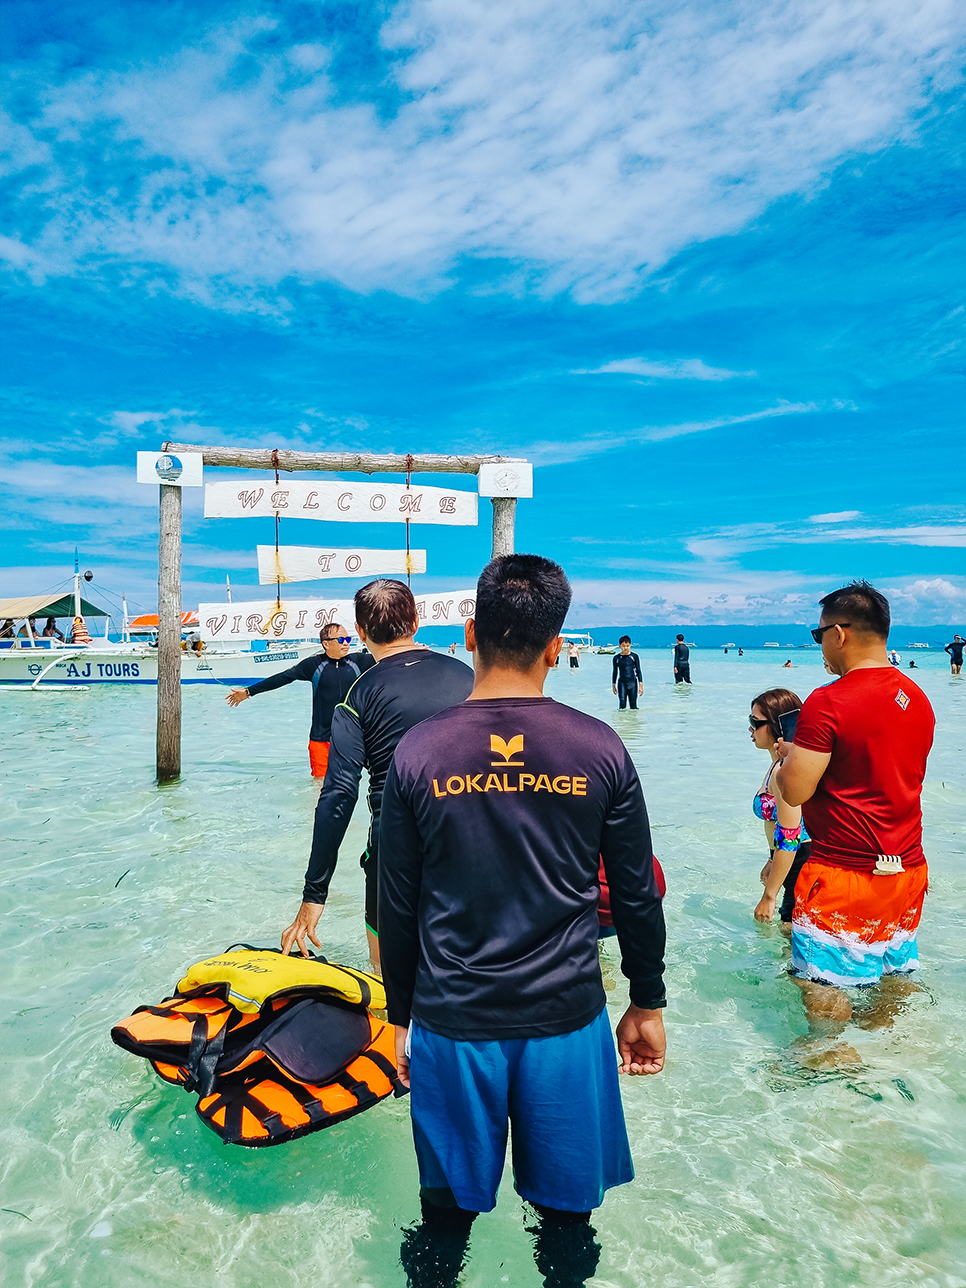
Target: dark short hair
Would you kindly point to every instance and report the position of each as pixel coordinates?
(862, 606)
(679, 637)
(624, 639)
(521, 603)
(337, 626)
(774, 703)
(386, 610)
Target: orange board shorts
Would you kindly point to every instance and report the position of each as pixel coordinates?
(851, 927)
(319, 758)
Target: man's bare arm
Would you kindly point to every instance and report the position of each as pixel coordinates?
(801, 772)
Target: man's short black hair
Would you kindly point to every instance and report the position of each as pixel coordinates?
(386, 610)
(326, 632)
(624, 639)
(521, 603)
(862, 606)
(679, 637)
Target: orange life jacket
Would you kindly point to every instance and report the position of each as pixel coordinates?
(308, 1056)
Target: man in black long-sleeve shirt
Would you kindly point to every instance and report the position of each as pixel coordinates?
(407, 684)
(331, 673)
(626, 679)
(494, 817)
(682, 664)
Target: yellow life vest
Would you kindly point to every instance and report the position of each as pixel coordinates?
(255, 975)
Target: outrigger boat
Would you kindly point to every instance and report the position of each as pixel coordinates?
(45, 662)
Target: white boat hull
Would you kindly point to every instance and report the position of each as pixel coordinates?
(123, 664)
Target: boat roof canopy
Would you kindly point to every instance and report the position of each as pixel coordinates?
(48, 606)
(149, 621)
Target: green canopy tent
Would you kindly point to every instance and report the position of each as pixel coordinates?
(47, 606)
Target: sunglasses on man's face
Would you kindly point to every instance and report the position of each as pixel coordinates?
(757, 724)
(339, 639)
(819, 631)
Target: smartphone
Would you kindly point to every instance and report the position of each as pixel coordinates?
(787, 722)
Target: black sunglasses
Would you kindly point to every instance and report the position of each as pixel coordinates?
(757, 724)
(338, 639)
(819, 631)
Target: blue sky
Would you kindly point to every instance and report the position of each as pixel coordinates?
(701, 263)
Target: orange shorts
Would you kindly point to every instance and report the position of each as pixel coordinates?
(851, 927)
(319, 758)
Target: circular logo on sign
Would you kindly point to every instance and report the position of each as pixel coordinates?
(168, 468)
(506, 480)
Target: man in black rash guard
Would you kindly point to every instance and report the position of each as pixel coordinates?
(331, 673)
(494, 819)
(626, 679)
(407, 684)
(682, 664)
(955, 651)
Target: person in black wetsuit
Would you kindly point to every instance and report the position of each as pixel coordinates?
(499, 811)
(331, 673)
(626, 679)
(955, 651)
(682, 665)
(408, 684)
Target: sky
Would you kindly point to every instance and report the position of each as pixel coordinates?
(701, 263)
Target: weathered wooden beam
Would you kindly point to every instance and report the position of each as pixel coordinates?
(169, 635)
(504, 513)
(262, 458)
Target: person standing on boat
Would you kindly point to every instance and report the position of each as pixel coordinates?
(626, 678)
(682, 663)
(408, 684)
(332, 674)
(573, 652)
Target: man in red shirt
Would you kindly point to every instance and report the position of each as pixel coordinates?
(856, 768)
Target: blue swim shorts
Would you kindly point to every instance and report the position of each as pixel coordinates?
(559, 1095)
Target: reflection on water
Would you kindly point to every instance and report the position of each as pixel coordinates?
(753, 1165)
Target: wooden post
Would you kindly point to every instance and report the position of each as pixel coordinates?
(504, 513)
(169, 634)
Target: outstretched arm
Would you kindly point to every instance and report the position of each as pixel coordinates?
(332, 814)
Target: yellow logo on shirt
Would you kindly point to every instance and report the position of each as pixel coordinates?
(902, 699)
(506, 749)
(559, 785)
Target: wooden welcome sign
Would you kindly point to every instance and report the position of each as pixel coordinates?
(305, 618)
(341, 502)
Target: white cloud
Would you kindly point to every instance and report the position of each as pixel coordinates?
(835, 516)
(579, 449)
(676, 369)
(588, 143)
(726, 543)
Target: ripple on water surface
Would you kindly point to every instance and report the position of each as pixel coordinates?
(751, 1168)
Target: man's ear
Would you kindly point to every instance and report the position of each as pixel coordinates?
(469, 635)
(552, 651)
(361, 633)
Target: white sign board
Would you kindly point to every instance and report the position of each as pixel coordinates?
(304, 618)
(506, 478)
(165, 467)
(312, 563)
(341, 502)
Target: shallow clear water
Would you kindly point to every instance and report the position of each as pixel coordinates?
(749, 1169)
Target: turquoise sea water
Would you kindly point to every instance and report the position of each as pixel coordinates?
(750, 1169)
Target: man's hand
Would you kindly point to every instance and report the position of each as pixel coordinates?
(640, 690)
(303, 926)
(402, 1059)
(675, 670)
(614, 687)
(641, 1043)
(783, 748)
(765, 910)
(236, 696)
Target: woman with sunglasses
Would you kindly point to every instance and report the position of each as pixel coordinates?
(332, 674)
(788, 842)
